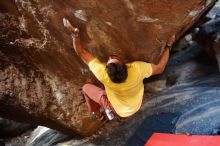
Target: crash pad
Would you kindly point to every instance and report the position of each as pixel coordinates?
(163, 139)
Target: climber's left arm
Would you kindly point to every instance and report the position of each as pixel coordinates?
(81, 52)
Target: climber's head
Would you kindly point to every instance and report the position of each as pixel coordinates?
(116, 69)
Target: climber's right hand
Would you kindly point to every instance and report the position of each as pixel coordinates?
(171, 40)
(74, 30)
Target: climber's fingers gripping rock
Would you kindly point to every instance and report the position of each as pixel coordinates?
(74, 30)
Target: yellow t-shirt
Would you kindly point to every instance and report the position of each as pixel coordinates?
(126, 98)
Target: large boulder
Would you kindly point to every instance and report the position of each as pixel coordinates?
(40, 74)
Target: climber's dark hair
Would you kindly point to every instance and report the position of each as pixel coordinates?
(117, 72)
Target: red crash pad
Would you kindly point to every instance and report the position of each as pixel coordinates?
(162, 139)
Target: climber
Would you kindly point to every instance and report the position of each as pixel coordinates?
(123, 83)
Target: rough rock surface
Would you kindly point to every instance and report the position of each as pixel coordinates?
(41, 76)
(208, 34)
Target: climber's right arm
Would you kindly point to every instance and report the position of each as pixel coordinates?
(159, 68)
